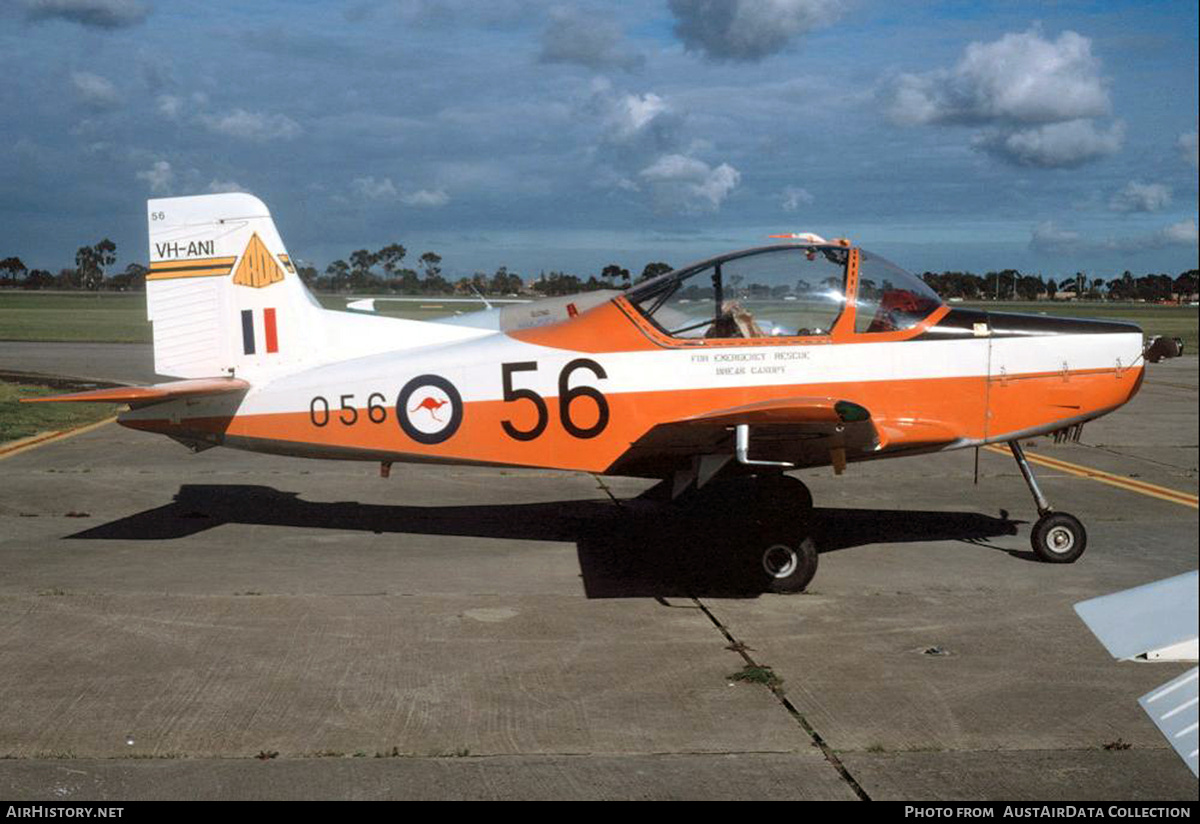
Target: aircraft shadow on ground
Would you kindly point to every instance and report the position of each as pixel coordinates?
(638, 548)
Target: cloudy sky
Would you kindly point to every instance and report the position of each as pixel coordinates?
(1048, 136)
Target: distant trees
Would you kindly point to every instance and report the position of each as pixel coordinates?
(13, 268)
(432, 264)
(337, 277)
(653, 270)
(390, 257)
(133, 279)
(558, 283)
(613, 274)
(308, 274)
(91, 260)
(383, 270)
(39, 279)
(1009, 283)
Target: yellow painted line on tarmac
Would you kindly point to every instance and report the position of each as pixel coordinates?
(34, 441)
(1130, 484)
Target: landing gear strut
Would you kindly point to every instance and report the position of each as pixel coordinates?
(1057, 537)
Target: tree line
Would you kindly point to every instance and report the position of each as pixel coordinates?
(384, 271)
(88, 272)
(365, 271)
(1010, 284)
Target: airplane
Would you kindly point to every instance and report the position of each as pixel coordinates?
(715, 378)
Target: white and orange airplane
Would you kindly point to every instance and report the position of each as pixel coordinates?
(799, 354)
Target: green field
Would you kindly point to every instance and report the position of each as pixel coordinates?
(18, 420)
(98, 317)
(121, 318)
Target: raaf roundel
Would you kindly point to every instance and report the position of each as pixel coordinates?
(798, 354)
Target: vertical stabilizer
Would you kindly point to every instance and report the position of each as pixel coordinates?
(222, 293)
(225, 298)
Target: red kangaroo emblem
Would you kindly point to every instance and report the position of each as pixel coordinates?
(430, 404)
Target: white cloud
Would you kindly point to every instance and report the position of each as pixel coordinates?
(169, 106)
(1037, 99)
(1141, 197)
(1188, 149)
(575, 37)
(1055, 145)
(795, 197)
(371, 188)
(685, 184)
(101, 14)
(1047, 236)
(632, 114)
(1018, 79)
(425, 197)
(1179, 234)
(255, 126)
(217, 187)
(94, 91)
(159, 176)
(746, 30)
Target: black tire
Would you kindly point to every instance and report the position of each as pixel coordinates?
(1058, 538)
(786, 492)
(787, 564)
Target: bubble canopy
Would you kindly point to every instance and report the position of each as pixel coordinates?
(782, 291)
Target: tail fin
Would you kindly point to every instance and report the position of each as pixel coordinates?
(225, 298)
(222, 293)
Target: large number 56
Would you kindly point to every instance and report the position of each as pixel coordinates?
(566, 396)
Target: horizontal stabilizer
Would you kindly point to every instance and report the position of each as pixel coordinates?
(146, 395)
(1145, 620)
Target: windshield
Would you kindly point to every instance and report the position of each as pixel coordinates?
(890, 299)
(777, 292)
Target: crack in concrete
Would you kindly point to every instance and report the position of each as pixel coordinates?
(1110, 450)
(602, 485)
(831, 756)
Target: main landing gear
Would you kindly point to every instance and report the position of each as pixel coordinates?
(1057, 537)
(768, 517)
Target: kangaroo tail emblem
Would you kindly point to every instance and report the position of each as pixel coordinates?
(431, 405)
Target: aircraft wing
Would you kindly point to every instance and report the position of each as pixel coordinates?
(137, 396)
(803, 431)
(1156, 622)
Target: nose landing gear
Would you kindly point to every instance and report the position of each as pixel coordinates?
(1057, 537)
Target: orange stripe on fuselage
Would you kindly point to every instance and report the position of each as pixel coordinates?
(958, 404)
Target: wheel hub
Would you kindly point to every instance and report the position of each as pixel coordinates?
(1060, 539)
(780, 561)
